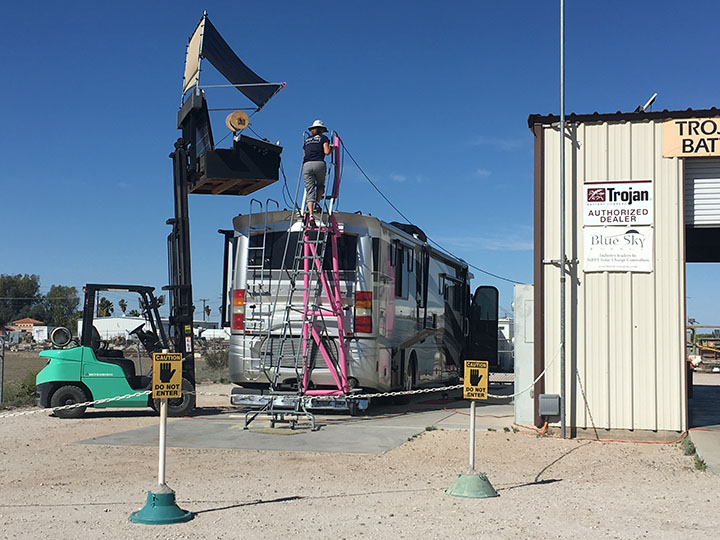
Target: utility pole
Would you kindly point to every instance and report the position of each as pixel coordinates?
(203, 300)
(563, 257)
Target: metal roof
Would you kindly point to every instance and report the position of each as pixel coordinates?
(620, 116)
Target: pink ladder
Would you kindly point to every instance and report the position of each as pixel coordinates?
(318, 282)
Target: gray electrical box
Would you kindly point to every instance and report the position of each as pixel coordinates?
(549, 405)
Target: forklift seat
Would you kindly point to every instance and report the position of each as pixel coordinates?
(128, 366)
(112, 356)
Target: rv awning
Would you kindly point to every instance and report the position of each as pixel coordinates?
(206, 42)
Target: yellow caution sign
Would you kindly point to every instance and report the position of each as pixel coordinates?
(475, 380)
(167, 375)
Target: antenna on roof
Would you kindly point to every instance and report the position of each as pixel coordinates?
(644, 108)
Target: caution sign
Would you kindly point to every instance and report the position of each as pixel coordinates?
(167, 375)
(475, 380)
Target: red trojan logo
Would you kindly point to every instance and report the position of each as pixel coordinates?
(596, 195)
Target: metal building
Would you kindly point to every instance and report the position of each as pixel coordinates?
(642, 198)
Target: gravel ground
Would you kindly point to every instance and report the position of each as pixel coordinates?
(51, 487)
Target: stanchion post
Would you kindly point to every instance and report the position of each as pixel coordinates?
(472, 435)
(473, 484)
(162, 444)
(160, 508)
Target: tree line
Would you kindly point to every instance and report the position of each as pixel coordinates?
(20, 297)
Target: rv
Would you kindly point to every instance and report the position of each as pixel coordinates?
(409, 319)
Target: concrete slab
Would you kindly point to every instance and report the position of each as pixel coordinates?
(387, 428)
(705, 419)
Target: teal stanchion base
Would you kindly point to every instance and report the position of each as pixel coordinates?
(161, 509)
(474, 485)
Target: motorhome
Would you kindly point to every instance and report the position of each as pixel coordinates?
(409, 317)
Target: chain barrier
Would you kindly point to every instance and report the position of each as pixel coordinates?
(77, 405)
(349, 397)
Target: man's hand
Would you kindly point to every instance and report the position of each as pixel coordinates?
(165, 373)
(475, 377)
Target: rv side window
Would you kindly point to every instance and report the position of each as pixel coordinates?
(419, 282)
(399, 271)
(376, 254)
(402, 271)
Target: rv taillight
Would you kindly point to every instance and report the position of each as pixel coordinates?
(363, 312)
(238, 309)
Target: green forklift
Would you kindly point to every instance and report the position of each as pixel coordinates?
(89, 369)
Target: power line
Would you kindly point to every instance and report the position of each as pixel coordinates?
(410, 221)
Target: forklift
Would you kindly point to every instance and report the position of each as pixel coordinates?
(89, 369)
(199, 167)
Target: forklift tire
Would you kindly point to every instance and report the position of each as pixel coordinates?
(179, 406)
(68, 395)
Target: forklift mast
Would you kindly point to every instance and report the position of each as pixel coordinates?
(199, 167)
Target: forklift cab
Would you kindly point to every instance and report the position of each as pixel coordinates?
(89, 369)
(153, 340)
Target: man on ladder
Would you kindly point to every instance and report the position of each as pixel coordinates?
(315, 148)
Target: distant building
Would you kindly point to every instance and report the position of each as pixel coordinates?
(27, 324)
(42, 333)
(111, 327)
(505, 343)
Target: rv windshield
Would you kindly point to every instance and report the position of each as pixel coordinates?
(275, 243)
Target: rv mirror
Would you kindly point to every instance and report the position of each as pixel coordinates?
(60, 337)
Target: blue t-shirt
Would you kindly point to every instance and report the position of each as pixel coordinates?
(313, 148)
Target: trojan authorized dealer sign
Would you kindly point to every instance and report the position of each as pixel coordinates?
(691, 137)
(618, 203)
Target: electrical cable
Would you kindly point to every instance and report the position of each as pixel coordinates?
(345, 149)
(285, 188)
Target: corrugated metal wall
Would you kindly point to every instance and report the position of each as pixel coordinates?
(625, 331)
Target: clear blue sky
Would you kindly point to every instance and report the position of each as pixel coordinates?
(431, 98)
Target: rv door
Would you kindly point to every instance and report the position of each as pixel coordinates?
(483, 336)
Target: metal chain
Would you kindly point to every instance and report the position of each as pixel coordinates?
(254, 396)
(351, 396)
(76, 405)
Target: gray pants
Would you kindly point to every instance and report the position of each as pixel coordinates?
(314, 175)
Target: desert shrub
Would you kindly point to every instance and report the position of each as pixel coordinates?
(20, 393)
(217, 357)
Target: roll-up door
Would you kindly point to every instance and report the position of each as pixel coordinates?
(702, 210)
(702, 193)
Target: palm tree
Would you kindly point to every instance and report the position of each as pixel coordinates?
(207, 311)
(123, 305)
(105, 307)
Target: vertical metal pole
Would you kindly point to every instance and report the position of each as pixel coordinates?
(163, 431)
(472, 435)
(563, 258)
(137, 346)
(2, 366)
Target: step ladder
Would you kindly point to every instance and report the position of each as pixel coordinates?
(258, 267)
(313, 300)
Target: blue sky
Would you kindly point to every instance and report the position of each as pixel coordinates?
(432, 99)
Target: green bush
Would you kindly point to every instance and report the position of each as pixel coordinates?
(20, 393)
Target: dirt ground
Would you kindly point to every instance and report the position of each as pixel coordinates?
(52, 487)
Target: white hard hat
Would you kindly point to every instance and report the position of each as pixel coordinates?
(318, 124)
